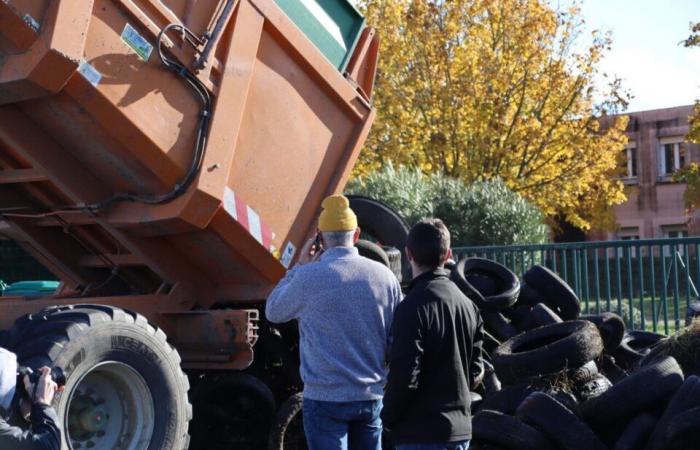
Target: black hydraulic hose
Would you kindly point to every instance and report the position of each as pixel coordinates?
(202, 130)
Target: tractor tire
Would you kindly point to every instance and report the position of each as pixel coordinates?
(383, 224)
(372, 251)
(394, 257)
(226, 403)
(124, 385)
(287, 431)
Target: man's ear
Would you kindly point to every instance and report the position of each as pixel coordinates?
(409, 256)
(448, 256)
(356, 237)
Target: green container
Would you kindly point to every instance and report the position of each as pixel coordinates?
(31, 289)
(334, 26)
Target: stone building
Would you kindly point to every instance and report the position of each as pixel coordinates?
(655, 206)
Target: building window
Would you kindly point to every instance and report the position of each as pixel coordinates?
(631, 159)
(628, 234)
(674, 232)
(671, 157)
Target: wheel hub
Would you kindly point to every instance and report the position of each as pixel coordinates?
(110, 408)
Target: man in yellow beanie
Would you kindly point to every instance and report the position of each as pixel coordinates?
(345, 305)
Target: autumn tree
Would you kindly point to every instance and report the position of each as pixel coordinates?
(694, 41)
(485, 89)
(691, 173)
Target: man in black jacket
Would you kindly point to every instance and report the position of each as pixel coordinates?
(44, 433)
(436, 351)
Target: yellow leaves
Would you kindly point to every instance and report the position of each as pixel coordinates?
(480, 89)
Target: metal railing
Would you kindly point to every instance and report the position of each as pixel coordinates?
(650, 283)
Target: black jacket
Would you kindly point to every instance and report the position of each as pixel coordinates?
(435, 354)
(43, 434)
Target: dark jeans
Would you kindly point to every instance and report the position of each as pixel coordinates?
(463, 445)
(343, 425)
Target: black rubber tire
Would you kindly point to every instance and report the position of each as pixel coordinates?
(490, 344)
(555, 292)
(491, 383)
(226, 403)
(608, 367)
(288, 415)
(528, 295)
(507, 399)
(517, 315)
(643, 341)
(567, 399)
(384, 224)
(540, 315)
(585, 373)
(507, 431)
(686, 397)
(505, 284)
(692, 313)
(645, 389)
(547, 350)
(611, 327)
(496, 324)
(635, 346)
(78, 338)
(684, 431)
(372, 251)
(394, 256)
(592, 388)
(636, 433)
(476, 445)
(558, 423)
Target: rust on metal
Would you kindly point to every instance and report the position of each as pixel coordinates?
(87, 111)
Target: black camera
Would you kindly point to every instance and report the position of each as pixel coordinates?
(57, 374)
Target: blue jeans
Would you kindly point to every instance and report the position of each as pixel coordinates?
(462, 445)
(343, 425)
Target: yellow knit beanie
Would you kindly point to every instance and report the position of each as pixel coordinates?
(337, 215)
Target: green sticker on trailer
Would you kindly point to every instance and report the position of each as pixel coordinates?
(138, 43)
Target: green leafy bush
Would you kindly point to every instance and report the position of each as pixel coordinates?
(483, 213)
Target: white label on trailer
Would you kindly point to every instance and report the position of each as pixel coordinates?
(138, 43)
(254, 227)
(89, 72)
(288, 254)
(230, 202)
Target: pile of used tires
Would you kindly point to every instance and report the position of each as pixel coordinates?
(556, 379)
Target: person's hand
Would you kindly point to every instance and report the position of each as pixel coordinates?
(309, 252)
(45, 388)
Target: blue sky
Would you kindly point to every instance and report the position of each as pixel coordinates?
(645, 53)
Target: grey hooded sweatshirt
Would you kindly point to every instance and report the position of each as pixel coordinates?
(43, 434)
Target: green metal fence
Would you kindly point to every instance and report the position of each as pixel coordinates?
(18, 265)
(650, 283)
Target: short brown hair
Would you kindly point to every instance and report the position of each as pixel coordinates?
(429, 242)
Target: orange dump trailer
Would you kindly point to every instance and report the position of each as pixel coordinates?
(166, 159)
